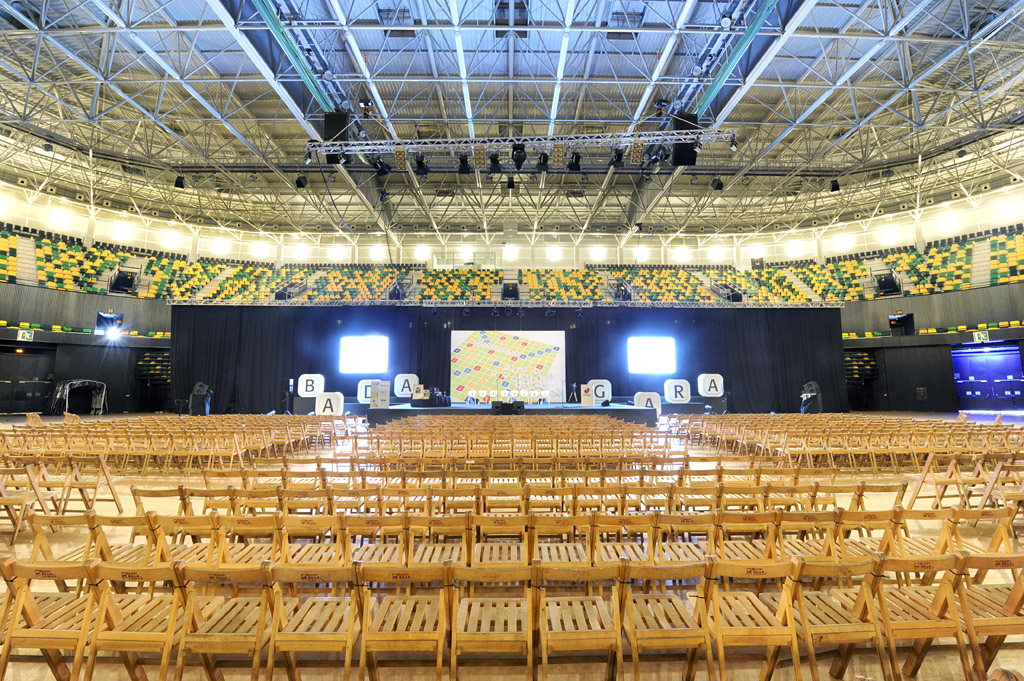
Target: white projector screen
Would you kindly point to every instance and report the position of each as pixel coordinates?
(508, 365)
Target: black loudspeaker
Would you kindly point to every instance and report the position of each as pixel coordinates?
(735, 297)
(684, 154)
(757, 263)
(199, 400)
(301, 182)
(336, 126)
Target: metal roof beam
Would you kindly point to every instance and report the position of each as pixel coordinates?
(563, 53)
(791, 23)
(667, 50)
(467, 102)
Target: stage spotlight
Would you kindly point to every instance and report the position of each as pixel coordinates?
(108, 324)
(520, 313)
(495, 312)
(654, 165)
(308, 159)
(542, 162)
(19, 351)
(961, 153)
(616, 160)
(301, 182)
(518, 155)
(434, 312)
(112, 333)
(384, 196)
(464, 167)
(383, 169)
(511, 184)
(732, 144)
(549, 312)
(573, 166)
(579, 312)
(694, 179)
(179, 182)
(421, 168)
(834, 186)
(465, 312)
(47, 147)
(495, 164)
(717, 185)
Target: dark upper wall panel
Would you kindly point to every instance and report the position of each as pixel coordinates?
(970, 307)
(47, 307)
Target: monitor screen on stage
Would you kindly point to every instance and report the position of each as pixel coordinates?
(363, 355)
(651, 354)
(508, 365)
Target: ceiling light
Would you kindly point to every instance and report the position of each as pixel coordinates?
(219, 246)
(794, 249)
(683, 254)
(716, 254)
(725, 21)
(60, 219)
(260, 249)
(947, 223)
(378, 253)
(337, 252)
(169, 239)
(1009, 210)
(554, 253)
(466, 253)
(756, 251)
(598, 253)
(123, 231)
(694, 179)
(509, 253)
(642, 253)
(843, 242)
(422, 252)
(300, 252)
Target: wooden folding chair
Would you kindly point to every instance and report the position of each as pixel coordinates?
(500, 540)
(47, 621)
(661, 621)
(579, 623)
(574, 552)
(315, 540)
(415, 622)
(740, 618)
(324, 621)
(147, 620)
(219, 624)
(492, 623)
(824, 621)
(918, 613)
(439, 539)
(684, 538)
(991, 612)
(623, 536)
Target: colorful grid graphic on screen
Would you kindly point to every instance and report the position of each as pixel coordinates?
(501, 360)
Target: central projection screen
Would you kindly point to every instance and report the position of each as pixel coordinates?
(526, 365)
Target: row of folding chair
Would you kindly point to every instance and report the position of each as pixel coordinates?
(270, 613)
(408, 540)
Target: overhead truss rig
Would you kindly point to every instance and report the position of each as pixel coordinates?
(634, 140)
(508, 304)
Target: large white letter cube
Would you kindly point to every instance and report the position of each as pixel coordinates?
(602, 389)
(330, 404)
(710, 385)
(648, 400)
(404, 384)
(677, 391)
(365, 390)
(310, 385)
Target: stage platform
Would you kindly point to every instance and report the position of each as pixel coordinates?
(626, 412)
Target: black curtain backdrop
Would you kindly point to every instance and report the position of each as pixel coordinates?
(247, 354)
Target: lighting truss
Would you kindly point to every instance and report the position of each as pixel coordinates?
(466, 144)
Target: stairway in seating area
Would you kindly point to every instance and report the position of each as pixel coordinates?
(27, 261)
(800, 285)
(981, 268)
(207, 291)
